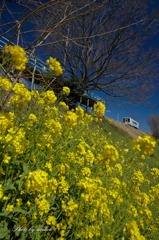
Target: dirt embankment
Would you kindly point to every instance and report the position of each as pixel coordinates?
(133, 132)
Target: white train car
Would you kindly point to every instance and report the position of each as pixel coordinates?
(131, 122)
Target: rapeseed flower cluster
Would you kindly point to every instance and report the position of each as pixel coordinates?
(18, 56)
(66, 91)
(110, 152)
(15, 140)
(43, 205)
(9, 208)
(51, 220)
(79, 112)
(21, 90)
(4, 123)
(61, 171)
(145, 144)
(71, 119)
(134, 231)
(64, 105)
(37, 181)
(21, 96)
(54, 66)
(49, 97)
(5, 83)
(99, 109)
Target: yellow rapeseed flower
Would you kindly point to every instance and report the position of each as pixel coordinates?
(138, 178)
(22, 91)
(71, 118)
(86, 172)
(32, 117)
(19, 202)
(110, 152)
(54, 66)
(9, 208)
(34, 216)
(28, 203)
(5, 198)
(65, 91)
(79, 111)
(49, 166)
(145, 144)
(134, 231)
(6, 159)
(53, 126)
(4, 123)
(43, 205)
(99, 109)
(49, 97)
(70, 208)
(37, 181)
(51, 220)
(64, 105)
(18, 56)
(5, 83)
(1, 191)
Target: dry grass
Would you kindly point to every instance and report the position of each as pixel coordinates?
(133, 132)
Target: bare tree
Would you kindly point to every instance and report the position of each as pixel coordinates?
(153, 122)
(107, 50)
(22, 18)
(102, 44)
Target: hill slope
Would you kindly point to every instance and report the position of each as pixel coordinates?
(118, 131)
(133, 132)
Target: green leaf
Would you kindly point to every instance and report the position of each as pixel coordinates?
(20, 184)
(8, 185)
(4, 232)
(20, 210)
(25, 168)
(4, 214)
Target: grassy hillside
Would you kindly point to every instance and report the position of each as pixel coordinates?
(133, 132)
(69, 175)
(117, 133)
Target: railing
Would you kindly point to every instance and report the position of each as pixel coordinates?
(38, 64)
(95, 97)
